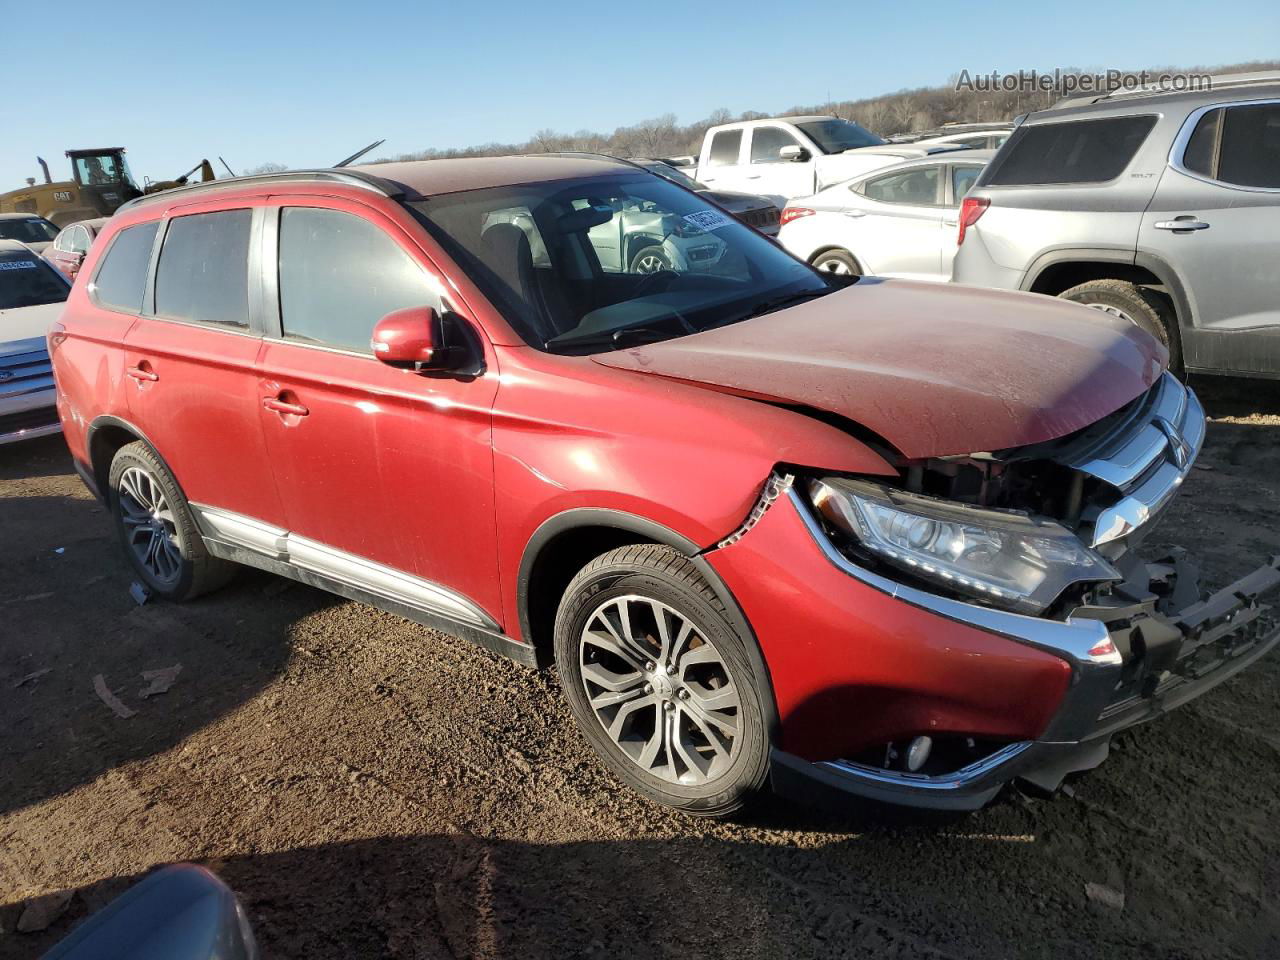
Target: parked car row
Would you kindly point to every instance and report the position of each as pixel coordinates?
(1161, 208)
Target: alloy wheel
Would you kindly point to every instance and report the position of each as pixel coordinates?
(149, 525)
(1114, 311)
(834, 265)
(650, 263)
(660, 690)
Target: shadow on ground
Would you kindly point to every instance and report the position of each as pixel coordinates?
(66, 616)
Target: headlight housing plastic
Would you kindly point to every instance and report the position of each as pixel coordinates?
(1006, 558)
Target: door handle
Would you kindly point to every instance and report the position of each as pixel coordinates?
(283, 407)
(1181, 223)
(855, 214)
(752, 176)
(951, 223)
(141, 372)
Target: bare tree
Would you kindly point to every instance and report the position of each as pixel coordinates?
(268, 167)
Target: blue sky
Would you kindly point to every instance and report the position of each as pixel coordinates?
(307, 83)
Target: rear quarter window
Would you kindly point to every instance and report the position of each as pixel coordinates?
(1075, 151)
(725, 146)
(122, 277)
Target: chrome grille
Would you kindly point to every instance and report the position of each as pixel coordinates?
(1144, 458)
(24, 373)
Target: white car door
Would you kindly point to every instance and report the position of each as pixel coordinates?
(902, 224)
(771, 175)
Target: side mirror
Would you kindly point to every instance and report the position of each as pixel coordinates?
(794, 152)
(183, 912)
(413, 339)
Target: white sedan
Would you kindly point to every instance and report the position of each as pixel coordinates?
(897, 221)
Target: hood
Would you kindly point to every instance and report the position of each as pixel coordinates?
(23, 329)
(40, 247)
(934, 369)
(736, 202)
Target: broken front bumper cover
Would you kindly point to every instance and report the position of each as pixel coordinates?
(1151, 646)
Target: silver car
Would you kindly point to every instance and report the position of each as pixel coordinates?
(751, 208)
(897, 221)
(1162, 207)
(31, 298)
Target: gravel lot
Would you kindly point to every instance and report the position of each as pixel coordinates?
(372, 788)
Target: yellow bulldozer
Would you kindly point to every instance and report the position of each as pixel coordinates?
(100, 183)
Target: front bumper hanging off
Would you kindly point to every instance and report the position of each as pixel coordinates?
(1165, 646)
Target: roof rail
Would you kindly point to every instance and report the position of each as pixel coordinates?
(351, 178)
(1209, 83)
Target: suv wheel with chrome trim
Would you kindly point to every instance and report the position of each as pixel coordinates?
(660, 681)
(156, 528)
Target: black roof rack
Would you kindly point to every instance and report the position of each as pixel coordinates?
(352, 178)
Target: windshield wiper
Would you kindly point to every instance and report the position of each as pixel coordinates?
(625, 337)
(778, 303)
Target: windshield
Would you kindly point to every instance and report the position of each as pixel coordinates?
(608, 262)
(674, 174)
(836, 136)
(27, 281)
(29, 230)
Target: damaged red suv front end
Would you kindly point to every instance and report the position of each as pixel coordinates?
(904, 674)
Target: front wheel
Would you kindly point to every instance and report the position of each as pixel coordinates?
(660, 681)
(652, 259)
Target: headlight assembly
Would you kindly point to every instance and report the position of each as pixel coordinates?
(1006, 558)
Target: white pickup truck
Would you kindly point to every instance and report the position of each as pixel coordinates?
(787, 157)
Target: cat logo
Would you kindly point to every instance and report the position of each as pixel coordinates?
(62, 196)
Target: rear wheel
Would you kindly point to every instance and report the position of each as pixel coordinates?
(1128, 301)
(157, 530)
(839, 262)
(660, 681)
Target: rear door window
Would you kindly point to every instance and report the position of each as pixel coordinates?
(918, 187)
(1237, 145)
(203, 274)
(1077, 151)
(122, 277)
(725, 147)
(340, 275)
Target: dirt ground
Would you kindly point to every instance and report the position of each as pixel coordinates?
(372, 788)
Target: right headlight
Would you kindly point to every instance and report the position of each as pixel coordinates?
(1006, 558)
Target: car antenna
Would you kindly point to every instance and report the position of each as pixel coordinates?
(225, 164)
(360, 153)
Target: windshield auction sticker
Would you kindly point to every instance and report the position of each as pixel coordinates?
(17, 264)
(708, 219)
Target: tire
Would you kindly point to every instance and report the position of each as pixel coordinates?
(157, 530)
(1146, 308)
(696, 741)
(840, 262)
(650, 259)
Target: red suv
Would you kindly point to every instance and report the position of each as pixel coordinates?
(768, 524)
